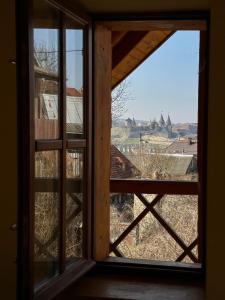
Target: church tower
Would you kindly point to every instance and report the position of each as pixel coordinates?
(162, 123)
(169, 126)
(168, 122)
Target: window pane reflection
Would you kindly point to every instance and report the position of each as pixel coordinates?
(74, 205)
(46, 216)
(74, 75)
(46, 71)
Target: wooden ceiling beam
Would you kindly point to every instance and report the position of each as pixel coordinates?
(125, 45)
(142, 50)
(117, 36)
(173, 25)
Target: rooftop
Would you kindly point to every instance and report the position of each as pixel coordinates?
(187, 146)
(121, 166)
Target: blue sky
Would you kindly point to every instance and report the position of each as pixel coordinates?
(74, 48)
(167, 81)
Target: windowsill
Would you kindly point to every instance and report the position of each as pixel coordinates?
(103, 284)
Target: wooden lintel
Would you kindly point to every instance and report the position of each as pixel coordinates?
(172, 25)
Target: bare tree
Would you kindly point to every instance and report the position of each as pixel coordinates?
(120, 96)
(46, 56)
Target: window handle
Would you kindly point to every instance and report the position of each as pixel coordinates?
(13, 227)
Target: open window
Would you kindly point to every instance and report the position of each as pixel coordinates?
(66, 154)
(56, 146)
(158, 166)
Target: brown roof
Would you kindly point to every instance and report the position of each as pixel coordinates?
(121, 166)
(187, 146)
(73, 92)
(51, 87)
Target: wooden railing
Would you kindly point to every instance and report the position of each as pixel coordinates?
(154, 187)
(51, 185)
(160, 189)
(130, 186)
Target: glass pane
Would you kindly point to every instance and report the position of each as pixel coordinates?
(155, 108)
(74, 205)
(74, 76)
(46, 70)
(148, 239)
(46, 215)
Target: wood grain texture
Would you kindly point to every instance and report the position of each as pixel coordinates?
(155, 25)
(72, 9)
(117, 36)
(153, 187)
(118, 286)
(102, 116)
(126, 44)
(133, 49)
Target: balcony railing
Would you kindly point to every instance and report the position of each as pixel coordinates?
(158, 190)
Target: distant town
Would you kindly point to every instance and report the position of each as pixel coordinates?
(175, 146)
(158, 128)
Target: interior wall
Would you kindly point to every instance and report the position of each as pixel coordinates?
(8, 151)
(216, 136)
(216, 158)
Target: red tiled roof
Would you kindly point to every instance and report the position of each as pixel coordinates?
(121, 167)
(51, 87)
(73, 92)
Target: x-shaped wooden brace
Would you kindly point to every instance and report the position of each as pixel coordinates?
(149, 207)
(42, 248)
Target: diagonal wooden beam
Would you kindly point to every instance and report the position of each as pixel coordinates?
(117, 36)
(117, 252)
(150, 42)
(189, 248)
(125, 45)
(150, 208)
(75, 199)
(173, 234)
(43, 247)
(135, 222)
(168, 228)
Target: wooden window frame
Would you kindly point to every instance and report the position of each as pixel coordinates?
(99, 152)
(158, 21)
(28, 145)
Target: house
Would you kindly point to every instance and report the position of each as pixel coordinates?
(46, 105)
(121, 166)
(213, 281)
(183, 146)
(122, 203)
(184, 154)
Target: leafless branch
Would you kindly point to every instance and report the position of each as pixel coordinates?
(120, 96)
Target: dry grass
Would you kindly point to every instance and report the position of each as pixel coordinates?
(149, 240)
(47, 210)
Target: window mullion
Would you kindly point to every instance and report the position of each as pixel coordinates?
(202, 143)
(63, 150)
